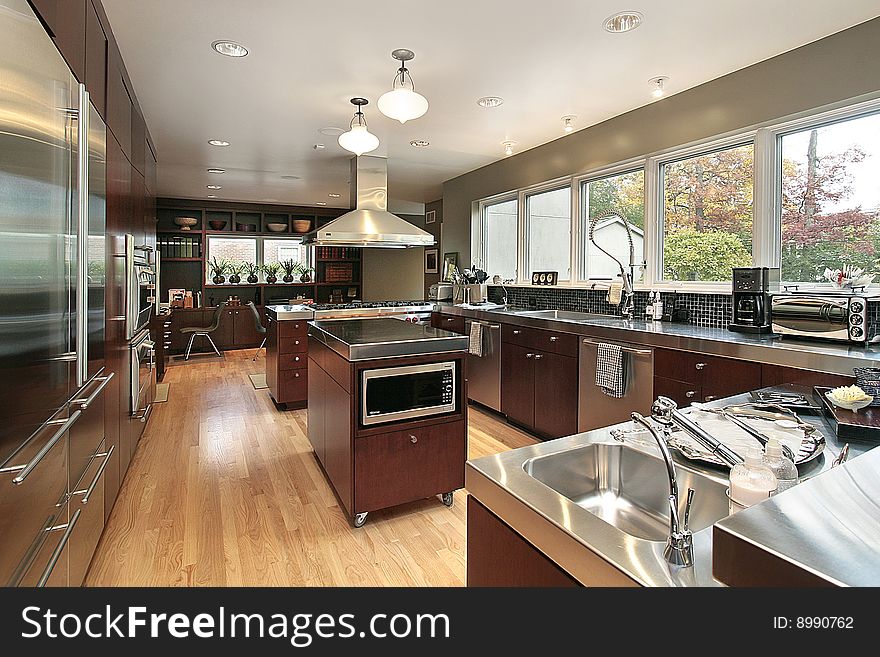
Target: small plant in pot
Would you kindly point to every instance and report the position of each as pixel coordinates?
(218, 269)
(271, 270)
(252, 269)
(235, 269)
(304, 272)
(290, 268)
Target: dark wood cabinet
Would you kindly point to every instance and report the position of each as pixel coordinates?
(680, 392)
(238, 330)
(96, 60)
(774, 375)
(522, 565)
(453, 323)
(287, 365)
(539, 388)
(518, 384)
(119, 202)
(138, 141)
(316, 385)
(689, 376)
(65, 21)
(138, 208)
(118, 101)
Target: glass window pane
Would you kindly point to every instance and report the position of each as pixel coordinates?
(707, 215)
(549, 232)
(615, 199)
(278, 250)
(830, 199)
(232, 249)
(499, 239)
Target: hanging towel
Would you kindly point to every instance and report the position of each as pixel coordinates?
(615, 292)
(611, 370)
(475, 346)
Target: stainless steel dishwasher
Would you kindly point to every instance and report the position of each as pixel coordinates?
(484, 372)
(595, 408)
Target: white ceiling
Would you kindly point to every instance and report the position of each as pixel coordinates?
(546, 58)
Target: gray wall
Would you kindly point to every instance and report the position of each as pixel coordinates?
(833, 69)
(394, 274)
(434, 229)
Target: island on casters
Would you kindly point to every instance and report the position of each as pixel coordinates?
(387, 411)
(287, 329)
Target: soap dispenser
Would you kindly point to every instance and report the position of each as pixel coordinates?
(782, 466)
(752, 481)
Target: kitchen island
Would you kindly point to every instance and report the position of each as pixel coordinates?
(387, 411)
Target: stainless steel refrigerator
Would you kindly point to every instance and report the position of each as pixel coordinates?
(52, 258)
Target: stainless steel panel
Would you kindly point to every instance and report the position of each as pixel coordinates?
(94, 251)
(142, 375)
(595, 408)
(366, 339)
(484, 372)
(140, 287)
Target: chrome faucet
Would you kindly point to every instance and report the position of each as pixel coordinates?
(627, 274)
(679, 550)
(665, 411)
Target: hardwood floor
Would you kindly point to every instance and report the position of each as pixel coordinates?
(224, 490)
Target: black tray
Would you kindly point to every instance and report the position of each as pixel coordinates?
(857, 426)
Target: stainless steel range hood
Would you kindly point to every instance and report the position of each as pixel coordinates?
(370, 224)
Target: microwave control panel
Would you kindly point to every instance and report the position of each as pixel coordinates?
(448, 386)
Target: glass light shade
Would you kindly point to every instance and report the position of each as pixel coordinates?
(358, 140)
(402, 104)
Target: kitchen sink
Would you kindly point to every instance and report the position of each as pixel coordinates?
(565, 315)
(628, 488)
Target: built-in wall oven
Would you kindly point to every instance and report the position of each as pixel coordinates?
(143, 376)
(408, 392)
(140, 287)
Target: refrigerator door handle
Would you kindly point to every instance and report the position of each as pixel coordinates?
(82, 237)
(24, 470)
(88, 401)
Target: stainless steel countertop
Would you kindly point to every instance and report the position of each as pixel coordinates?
(367, 339)
(834, 358)
(283, 313)
(597, 553)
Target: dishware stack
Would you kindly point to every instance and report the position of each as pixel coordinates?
(868, 379)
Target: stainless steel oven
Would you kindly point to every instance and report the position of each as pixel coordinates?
(140, 287)
(143, 377)
(407, 392)
(838, 317)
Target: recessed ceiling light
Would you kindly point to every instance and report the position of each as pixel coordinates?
(331, 132)
(420, 143)
(214, 186)
(508, 147)
(623, 21)
(215, 170)
(657, 85)
(568, 122)
(490, 101)
(290, 177)
(334, 195)
(218, 142)
(321, 203)
(229, 48)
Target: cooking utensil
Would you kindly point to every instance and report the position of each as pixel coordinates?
(754, 433)
(841, 458)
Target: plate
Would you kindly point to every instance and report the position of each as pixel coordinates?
(806, 442)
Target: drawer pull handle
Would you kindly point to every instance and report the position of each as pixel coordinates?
(87, 492)
(515, 332)
(296, 359)
(56, 553)
(710, 398)
(88, 401)
(529, 355)
(690, 394)
(553, 338)
(538, 356)
(296, 342)
(24, 470)
(296, 375)
(700, 366)
(413, 439)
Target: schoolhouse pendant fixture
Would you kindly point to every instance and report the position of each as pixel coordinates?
(358, 139)
(402, 102)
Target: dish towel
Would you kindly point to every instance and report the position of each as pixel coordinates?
(611, 370)
(475, 346)
(615, 292)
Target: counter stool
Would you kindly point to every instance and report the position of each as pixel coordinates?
(259, 326)
(204, 331)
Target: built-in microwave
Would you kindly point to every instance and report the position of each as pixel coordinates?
(840, 317)
(407, 392)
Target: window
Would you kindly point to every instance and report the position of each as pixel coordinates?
(707, 214)
(499, 235)
(259, 250)
(830, 198)
(612, 200)
(548, 230)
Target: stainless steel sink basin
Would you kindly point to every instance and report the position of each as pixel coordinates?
(565, 315)
(627, 488)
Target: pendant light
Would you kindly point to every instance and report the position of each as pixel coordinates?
(402, 102)
(358, 139)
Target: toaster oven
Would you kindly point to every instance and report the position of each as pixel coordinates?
(824, 316)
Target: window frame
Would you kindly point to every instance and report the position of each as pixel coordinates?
(523, 277)
(480, 228)
(308, 250)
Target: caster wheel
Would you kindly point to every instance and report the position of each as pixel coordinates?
(447, 499)
(360, 519)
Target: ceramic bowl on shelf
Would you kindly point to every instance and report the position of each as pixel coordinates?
(276, 228)
(302, 225)
(186, 223)
(245, 228)
(217, 224)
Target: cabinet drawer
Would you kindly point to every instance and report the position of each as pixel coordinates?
(515, 335)
(677, 365)
(564, 344)
(394, 468)
(293, 345)
(293, 328)
(292, 361)
(294, 386)
(87, 531)
(454, 323)
(680, 392)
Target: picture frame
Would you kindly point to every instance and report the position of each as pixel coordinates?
(450, 262)
(430, 216)
(431, 261)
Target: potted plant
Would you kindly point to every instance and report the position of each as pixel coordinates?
(271, 271)
(304, 272)
(218, 268)
(235, 269)
(289, 267)
(252, 270)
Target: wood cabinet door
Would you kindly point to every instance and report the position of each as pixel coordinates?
(453, 323)
(272, 356)
(118, 101)
(518, 384)
(96, 60)
(317, 401)
(556, 394)
(337, 443)
(723, 377)
(118, 197)
(136, 220)
(224, 336)
(245, 331)
(138, 141)
(66, 24)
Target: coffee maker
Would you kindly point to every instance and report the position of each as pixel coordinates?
(751, 298)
